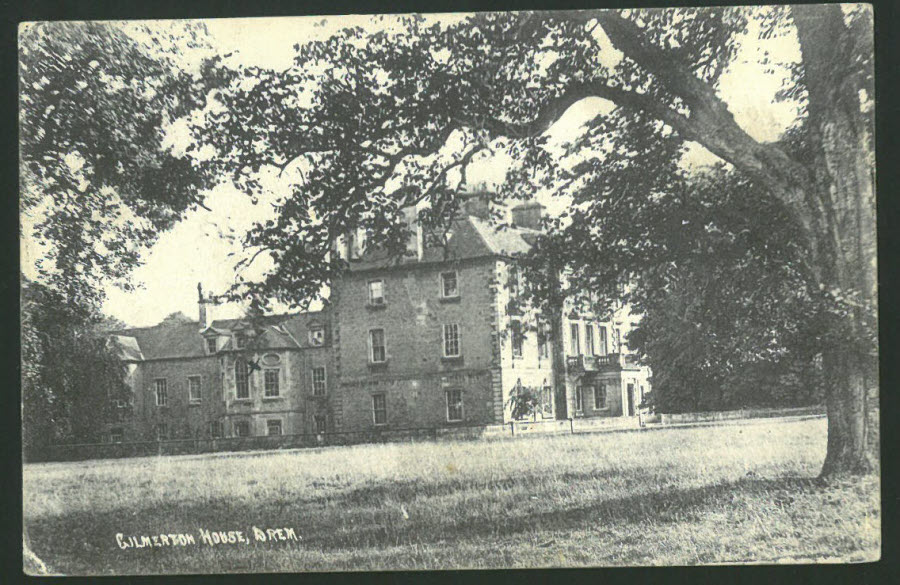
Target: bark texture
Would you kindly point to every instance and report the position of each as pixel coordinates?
(830, 193)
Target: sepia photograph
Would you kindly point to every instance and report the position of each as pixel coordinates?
(447, 291)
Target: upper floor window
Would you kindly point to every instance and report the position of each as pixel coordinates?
(543, 346)
(162, 392)
(588, 339)
(574, 339)
(454, 405)
(316, 335)
(318, 381)
(211, 345)
(518, 338)
(273, 427)
(514, 282)
(451, 340)
(270, 382)
(194, 389)
(376, 292)
(603, 343)
(617, 338)
(449, 284)
(379, 409)
(240, 341)
(377, 350)
(241, 379)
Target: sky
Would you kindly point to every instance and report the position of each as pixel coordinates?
(197, 249)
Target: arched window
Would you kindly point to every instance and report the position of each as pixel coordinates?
(241, 379)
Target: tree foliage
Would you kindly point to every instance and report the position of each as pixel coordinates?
(378, 120)
(70, 378)
(99, 180)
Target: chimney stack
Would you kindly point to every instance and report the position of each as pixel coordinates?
(477, 204)
(528, 215)
(201, 304)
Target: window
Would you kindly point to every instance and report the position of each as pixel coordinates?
(600, 396)
(518, 338)
(162, 432)
(451, 340)
(194, 389)
(543, 346)
(318, 381)
(449, 285)
(116, 435)
(547, 399)
(618, 334)
(514, 282)
(211, 344)
(162, 394)
(316, 336)
(454, 405)
(575, 339)
(379, 409)
(241, 379)
(270, 380)
(320, 423)
(579, 399)
(376, 292)
(242, 428)
(588, 339)
(603, 347)
(216, 429)
(273, 427)
(240, 341)
(377, 352)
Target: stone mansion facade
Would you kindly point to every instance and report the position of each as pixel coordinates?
(429, 341)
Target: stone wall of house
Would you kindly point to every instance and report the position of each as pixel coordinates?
(182, 418)
(416, 377)
(295, 406)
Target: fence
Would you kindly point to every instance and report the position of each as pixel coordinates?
(83, 451)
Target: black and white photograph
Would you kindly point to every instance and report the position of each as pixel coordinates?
(448, 291)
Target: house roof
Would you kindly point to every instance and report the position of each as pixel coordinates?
(469, 237)
(181, 339)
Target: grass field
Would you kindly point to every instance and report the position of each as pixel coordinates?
(674, 496)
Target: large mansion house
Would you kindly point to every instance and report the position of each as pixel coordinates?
(429, 341)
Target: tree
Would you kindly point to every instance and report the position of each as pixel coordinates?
(99, 182)
(377, 120)
(99, 179)
(70, 378)
(727, 321)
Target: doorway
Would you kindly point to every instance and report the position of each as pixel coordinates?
(630, 397)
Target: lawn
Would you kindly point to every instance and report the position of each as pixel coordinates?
(674, 496)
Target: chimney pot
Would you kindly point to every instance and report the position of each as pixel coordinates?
(201, 304)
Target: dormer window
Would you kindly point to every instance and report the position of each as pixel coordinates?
(316, 335)
(211, 345)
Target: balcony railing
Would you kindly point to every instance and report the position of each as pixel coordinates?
(594, 363)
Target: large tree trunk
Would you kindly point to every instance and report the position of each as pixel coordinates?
(841, 163)
(851, 400)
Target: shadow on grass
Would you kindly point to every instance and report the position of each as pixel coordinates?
(372, 516)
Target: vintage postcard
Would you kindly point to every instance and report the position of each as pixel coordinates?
(449, 291)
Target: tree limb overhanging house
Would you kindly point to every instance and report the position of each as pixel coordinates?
(433, 339)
